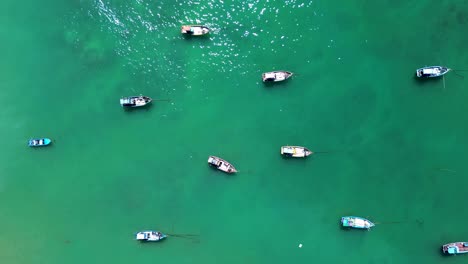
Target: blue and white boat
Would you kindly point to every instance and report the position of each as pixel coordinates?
(135, 101)
(455, 248)
(356, 222)
(150, 236)
(40, 142)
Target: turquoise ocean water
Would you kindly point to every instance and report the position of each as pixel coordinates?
(397, 146)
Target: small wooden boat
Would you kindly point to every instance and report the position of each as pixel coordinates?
(276, 76)
(39, 142)
(356, 222)
(221, 164)
(455, 248)
(135, 101)
(431, 71)
(195, 30)
(295, 151)
(150, 236)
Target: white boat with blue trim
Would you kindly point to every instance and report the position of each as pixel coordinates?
(40, 142)
(455, 248)
(356, 222)
(135, 101)
(150, 236)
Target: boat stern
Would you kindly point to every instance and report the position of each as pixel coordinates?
(269, 77)
(288, 151)
(124, 101)
(444, 249)
(418, 72)
(344, 221)
(184, 29)
(211, 160)
(142, 236)
(450, 250)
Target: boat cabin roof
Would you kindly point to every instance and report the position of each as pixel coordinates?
(288, 150)
(142, 236)
(431, 71)
(270, 75)
(214, 161)
(452, 250)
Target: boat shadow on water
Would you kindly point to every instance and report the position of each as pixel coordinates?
(298, 160)
(43, 148)
(348, 229)
(217, 173)
(138, 109)
(274, 85)
(421, 82)
(204, 39)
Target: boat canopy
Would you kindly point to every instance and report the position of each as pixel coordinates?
(452, 250)
(142, 236)
(288, 150)
(270, 75)
(431, 71)
(213, 161)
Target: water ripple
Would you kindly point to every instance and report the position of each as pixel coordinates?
(147, 33)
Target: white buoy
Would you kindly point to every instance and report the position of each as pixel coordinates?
(300, 245)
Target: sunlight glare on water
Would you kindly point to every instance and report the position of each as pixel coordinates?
(224, 50)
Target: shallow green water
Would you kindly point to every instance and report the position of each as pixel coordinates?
(397, 146)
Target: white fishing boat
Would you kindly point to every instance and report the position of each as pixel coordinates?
(221, 164)
(431, 71)
(194, 30)
(150, 236)
(295, 151)
(356, 222)
(135, 101)
(276, 76)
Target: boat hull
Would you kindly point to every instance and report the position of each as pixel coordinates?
(455, 248)
(356, 222)
(276, 76)
(135, 101)
(40, 142)
(150, 236)
(194, 30)
(221, 164)
(431, 71)
(295, 151)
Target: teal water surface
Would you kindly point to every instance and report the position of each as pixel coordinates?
(396, 145)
